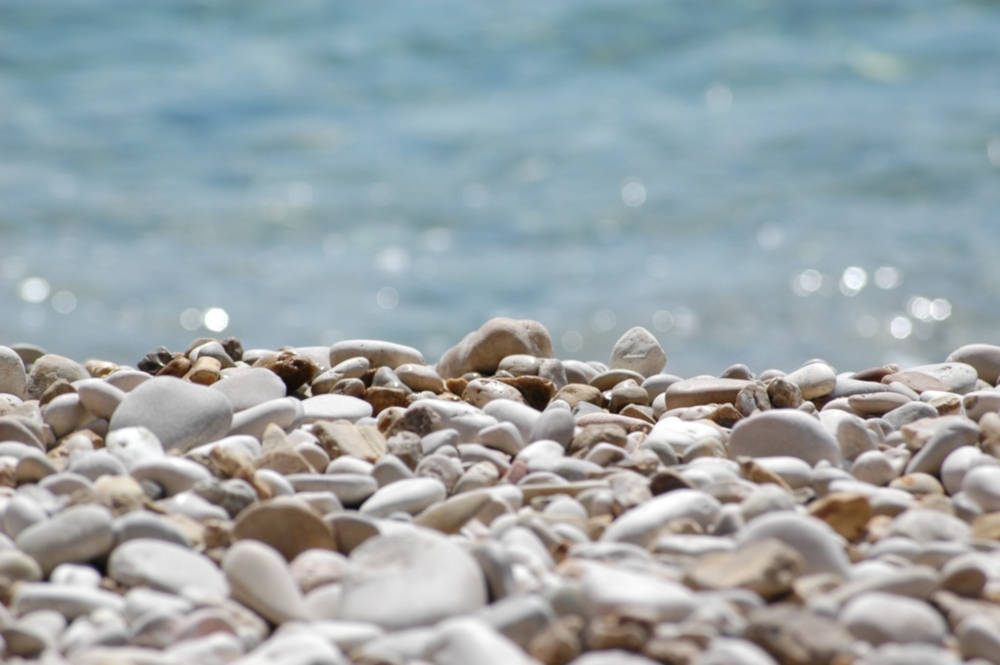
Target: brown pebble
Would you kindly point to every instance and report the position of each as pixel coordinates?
(55, 389)
(205, 371)
(382, 398)
(847, 513)
(456, 385)
(536, 391)
(574, 393)
(178, 366)
(294, 370)
(783, 394)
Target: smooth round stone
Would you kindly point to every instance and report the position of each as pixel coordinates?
(347, 464)
(638, 350)
(703, 390)
(766, 498)
(144, 524)
(877, 403)
(540, 455)
(317, 567)
(410, 496)
(874, 467)
(420, 377)
(247, 387)
(783, 432)
(609, 589)
(99, 397)
(166, 566)
(412, 578)
(64, 483)
(23, 430)
(181, 414)
(959, 462)
(350, 488)
(880, 618)
(979, 637)
(732, 651)
(335, 407)
(480, 392)
(95, 464)
(216, 647)
(34, 466)
(133, 445)
(388, 470)
(285, 412)
(505, 437)
(70, 600)
(794, 471)
(644, 523)
(378, 353)
(50, 368)
(467, 640)
(20, 513)
(483, 349)
(17, 566)
(554, 425)
(13, 378)
(909, 412)
(814, 380)
(450, 515)
(260, 579)
(520, 415)
(192, 505)
(287, 524)
(984, 358)
(74, 535)
(982, 485)
(64, 413)
(821, 548)
(980, 402)
(927, 526)
(949, 434)
(173, 474)
(127, 379)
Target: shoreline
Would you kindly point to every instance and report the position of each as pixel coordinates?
(353, 504)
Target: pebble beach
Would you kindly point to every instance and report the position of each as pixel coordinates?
(359, 503)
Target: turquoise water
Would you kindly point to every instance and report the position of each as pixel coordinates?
(754, 181)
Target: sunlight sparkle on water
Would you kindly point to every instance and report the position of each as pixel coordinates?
(807, 282)
(888, 277)
(34, 289)
(63, 301)
(853, 280)
(190, 319)
(216, 319)
(633, 193)
(900, 327)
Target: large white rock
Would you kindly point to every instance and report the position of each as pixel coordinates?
(784, 432)
(639, 351)
(181, 414)
(412, 578)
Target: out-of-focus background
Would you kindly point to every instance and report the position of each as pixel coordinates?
(753, 181)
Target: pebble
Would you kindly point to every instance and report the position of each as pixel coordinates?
(409, 496)
(982, 485)
(703, 390)
(285, 523)
(172, 474)
(50, 368)
(643, 524)
(250, 386)
(377, 352)
(284, 412)
(817, 543)
(335, 407)
(166, 566)
(482, 350)
(784, 432)
(985, 358)
(99, 397)
(13, 378)
(181, 415)
(133, 445)
(956, 377)
(412, 578)
(467, 640)
(881, 618)
(639, 351)
(77, 534)
(948, 434)
(260, 579)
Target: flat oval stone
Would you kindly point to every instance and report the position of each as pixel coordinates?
(412, 578)
(285, 412)
(985, 358)
(928, 526)
(75, 535)
(814, 380)
(166, 566)
(465, 640)
(173, 474)
(95, 464)
(642, 524)
(877, 403)
(99, 397)
(820, 547)
(554, 424)
(250, 386)
(127, 379)
(70, 600)
(260, 579)
(378, 353)
(520, 415)
(335, 407)
(783, 432)
(133, 445)
(611, 590)
(703, 390)
(182, 415)
(880, 618)
(50, 368)
(980, 402)
(420, 377)
(410, 496)
(64, 413)
(147, 525)
(13, 378)
(287, 524)
(982, 485)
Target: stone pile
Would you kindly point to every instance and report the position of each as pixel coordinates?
(353, 504)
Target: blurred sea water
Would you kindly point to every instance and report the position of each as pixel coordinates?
(753, 181)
